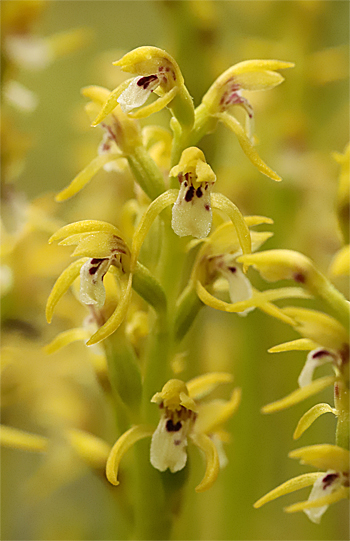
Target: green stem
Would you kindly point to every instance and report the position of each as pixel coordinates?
(146, 172)
(341, 401)
(322, 287)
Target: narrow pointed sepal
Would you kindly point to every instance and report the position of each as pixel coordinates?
(212, 461)
(122, 445)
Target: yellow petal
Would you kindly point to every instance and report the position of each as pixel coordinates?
(301, 344)
(201, 386)
(339, 494)
(325, 456)
(155, 208)
(84, 226)
(300, 394)
(80, 181)
(310, 416)
(305, 480)
(232, 124)
(121, 446)
(62, 285)
(212, 461)
(115, 320)
(221, 202)
(65, 338)
(19, 439)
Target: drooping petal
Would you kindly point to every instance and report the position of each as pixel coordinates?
(122, 445)
(289, 486)
(212, 460)
(232, 124)
(118, 315)
(155, 208)
(168, 447)
(221, 202)
(62, 285)
(300, 394)
(310, 416)
(315, 358)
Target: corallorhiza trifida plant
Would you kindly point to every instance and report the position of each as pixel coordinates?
(180, 243)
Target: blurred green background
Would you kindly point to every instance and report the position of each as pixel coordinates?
(298, 125)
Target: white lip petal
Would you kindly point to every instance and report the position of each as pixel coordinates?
(315, 358)
(240, 287)
(322, 487)
(92, 290)
(136, 95)
(168, 449)
(192, 216)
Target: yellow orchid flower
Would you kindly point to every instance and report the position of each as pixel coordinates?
(182, 416)
(217, 259)
(191, 214)
(120, 137)
(103, 250)
(101, 246)
(276, 265)
(157, 72)
(226, 92)
(327, 342)
(328, 486)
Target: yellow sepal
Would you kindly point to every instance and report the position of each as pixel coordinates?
(300, 394)
(111, 102)
(324, 455)
(80, 181)
(93, 450)
(122, 445)
(301, 344)
(84, 226)
(155, 208)
(115, 320)
(212, 460)
(339, 494)
(216, 412)
(19, 439)
(201, 386)
(232, 124)
(65, 338)
(62, 285)
(221, 202)
(310, 416)
(302, 481)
